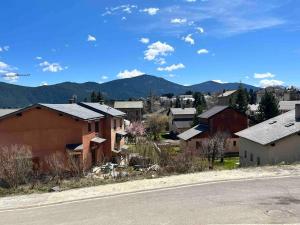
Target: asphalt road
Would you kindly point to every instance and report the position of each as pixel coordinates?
(251, 201)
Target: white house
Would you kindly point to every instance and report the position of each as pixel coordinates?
(273, 141)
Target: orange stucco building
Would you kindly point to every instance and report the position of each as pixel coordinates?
(77, 130)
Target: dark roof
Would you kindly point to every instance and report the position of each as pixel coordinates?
(183, 111)
(4, 112)
(193, 132)
(272, 130)
(128, 104)
(73, 110)
(183, 124)
(101, 108)
(74, 147)
(213, 111)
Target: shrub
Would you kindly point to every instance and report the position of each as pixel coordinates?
(16, 165)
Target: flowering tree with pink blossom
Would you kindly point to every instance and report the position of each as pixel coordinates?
(136, 129)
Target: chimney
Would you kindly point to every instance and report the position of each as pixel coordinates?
(101, 102)
(297, 112)
(73, 99)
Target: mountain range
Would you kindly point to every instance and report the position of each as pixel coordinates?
(12, 95)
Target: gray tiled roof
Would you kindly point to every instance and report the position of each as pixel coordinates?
(193, 132)
(213, 111)
(74, 110)
(183, 124)
(4, 112)
(183, 111)
(128, 104)
(272, 130)
(101, 108)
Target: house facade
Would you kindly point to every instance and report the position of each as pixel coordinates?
(180, 119)
(218, 119)
(227, 97)
(273, 141)
(69, 129)
(133, 109)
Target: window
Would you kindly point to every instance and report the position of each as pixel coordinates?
(245, 154)
(273, 144)
(258, 161)
(97, 126)
(115, 124)
(197, 145)
(121, 123)
(234, 143)
(251, 157)
(89, 127)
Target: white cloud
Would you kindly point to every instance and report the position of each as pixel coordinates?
(172, 67)
(220, 81)
(129, 74)
(38, 58)
(11, 77)
(263, 75)
(104, 77)
(151, 11)
(160, 61)
(91, 38)
(189, 39)
(190, 0)
(267, 83)
(51, 67)
(44, 83)
(171, 75)
(124, 18)
(178, 20)
(200, 30)
(145, 40)
(157, 49)
(4, 66)
(4, 48)
(202, 51)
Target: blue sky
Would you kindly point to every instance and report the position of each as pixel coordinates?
(184, 41)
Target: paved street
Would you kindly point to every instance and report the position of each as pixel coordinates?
(254, 201)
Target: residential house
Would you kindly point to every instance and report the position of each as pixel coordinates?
(278, 92)
(69, 129)
(133, 109)
(113, 124)
(284, 106)
(180, 119)
(227, 97)
(273, 141)
(217, 119)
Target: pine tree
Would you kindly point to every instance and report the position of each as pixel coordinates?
(199, 110)
(93, 97)
(268, 107)
(242, 100)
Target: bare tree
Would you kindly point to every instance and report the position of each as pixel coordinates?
(16, 165)
(157, 124)
(56, 164)
(214, 147)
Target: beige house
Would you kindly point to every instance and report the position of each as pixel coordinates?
(180, 119)
(227, 97)
(273, 141)
(133, 109)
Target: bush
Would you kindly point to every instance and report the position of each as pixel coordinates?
(16, 165)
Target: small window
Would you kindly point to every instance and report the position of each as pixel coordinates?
(245, 154)
(89, 127)
(273, 144)
(234, 143)
(273, 122)
(251, 157)
(258, 161)
(289, 124)
(97, 127)
(115, 124)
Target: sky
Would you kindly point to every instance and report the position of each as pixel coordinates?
(184, 41)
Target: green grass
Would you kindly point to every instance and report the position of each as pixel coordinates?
(228, 164)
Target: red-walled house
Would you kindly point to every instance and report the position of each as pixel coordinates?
(219, 118)
(72, 129)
